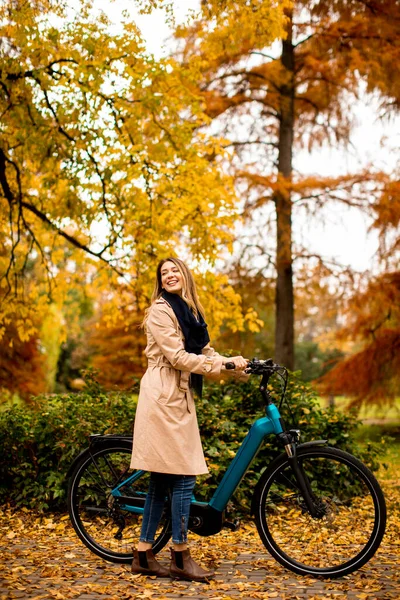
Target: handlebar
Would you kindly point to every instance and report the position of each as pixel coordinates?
(266, 368)
(258, 367)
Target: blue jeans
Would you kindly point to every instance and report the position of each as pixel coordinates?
(181, 489)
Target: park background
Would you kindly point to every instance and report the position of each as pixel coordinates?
(278, 184)
(257, 141)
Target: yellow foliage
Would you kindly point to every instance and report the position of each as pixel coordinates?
(229, 29)
(104, 168)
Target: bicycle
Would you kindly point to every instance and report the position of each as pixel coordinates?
(318, 510)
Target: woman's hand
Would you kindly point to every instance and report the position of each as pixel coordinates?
(239, 361)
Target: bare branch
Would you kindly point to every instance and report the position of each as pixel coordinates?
(272, 144)
(53, 112)
(309, 37)
(257, 52)
(31, 72)
(71, 239)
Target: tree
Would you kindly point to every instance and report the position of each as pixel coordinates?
(116, 346)
(275, 102)
(103, 169)
(370, 373)
(22, 365)
(257, 297)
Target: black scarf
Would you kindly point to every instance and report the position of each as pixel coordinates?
(194, 331)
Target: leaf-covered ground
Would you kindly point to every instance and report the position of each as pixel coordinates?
(41, 557)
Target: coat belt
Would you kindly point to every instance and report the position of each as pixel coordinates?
(161, 361)
(158, 362)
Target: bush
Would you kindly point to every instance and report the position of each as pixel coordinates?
(38, 443)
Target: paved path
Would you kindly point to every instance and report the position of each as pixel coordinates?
(65, 569)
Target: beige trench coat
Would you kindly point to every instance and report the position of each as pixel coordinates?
(166, 436)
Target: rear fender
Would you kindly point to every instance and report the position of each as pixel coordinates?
(76, 460)
(97, 438)
(97, 441)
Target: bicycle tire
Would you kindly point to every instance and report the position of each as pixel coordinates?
(95, 514)
(351, 524)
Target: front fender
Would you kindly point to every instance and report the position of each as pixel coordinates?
(313, 443)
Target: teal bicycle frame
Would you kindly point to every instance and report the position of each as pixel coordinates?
(251, 444)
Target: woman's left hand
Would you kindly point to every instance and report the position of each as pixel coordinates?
(239, 362)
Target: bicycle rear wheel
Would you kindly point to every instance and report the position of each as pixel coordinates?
(99, 519)
(351, 520)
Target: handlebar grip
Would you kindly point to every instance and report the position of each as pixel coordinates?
(230, 366)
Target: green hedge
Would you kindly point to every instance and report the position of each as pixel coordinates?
(38, 443)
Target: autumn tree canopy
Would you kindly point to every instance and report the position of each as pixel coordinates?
(272, 101)
(107, 163)
(104, 168)
(102, 163)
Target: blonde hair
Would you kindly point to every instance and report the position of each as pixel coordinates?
(189, 291)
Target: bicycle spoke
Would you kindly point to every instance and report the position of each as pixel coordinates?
(97, 483)
(103, 526)
(338, 530)
(343, 533)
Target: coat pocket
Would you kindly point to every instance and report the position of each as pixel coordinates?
(169, 385)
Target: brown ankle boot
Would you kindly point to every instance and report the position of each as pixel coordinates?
(147, 564)
(184, 567)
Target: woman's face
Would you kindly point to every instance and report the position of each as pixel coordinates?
(171, 278)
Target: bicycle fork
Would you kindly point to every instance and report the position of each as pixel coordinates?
(289, 439)
(302, 482)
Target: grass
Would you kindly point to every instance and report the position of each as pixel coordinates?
(377, 421)
(388, 412)
(391, 461)
(375, 432)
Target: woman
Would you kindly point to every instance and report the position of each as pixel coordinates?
(166, 438)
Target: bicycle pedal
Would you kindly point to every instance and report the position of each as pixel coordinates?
(234, 526)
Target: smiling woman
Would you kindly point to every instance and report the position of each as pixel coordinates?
(166, 438)
(171, 277)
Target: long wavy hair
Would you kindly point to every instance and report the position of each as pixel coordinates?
(189, 291)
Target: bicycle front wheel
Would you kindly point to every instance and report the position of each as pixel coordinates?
(351, 513)
(102, 521)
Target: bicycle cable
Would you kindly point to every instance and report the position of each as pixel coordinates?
(283, 395)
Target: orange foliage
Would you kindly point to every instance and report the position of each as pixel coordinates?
(117, 347)
(272, 100)
(22, 365)
(372, 373)
(387, 220)
(388, 208)
(331, 46)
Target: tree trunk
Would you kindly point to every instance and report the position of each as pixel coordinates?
(284, 300)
